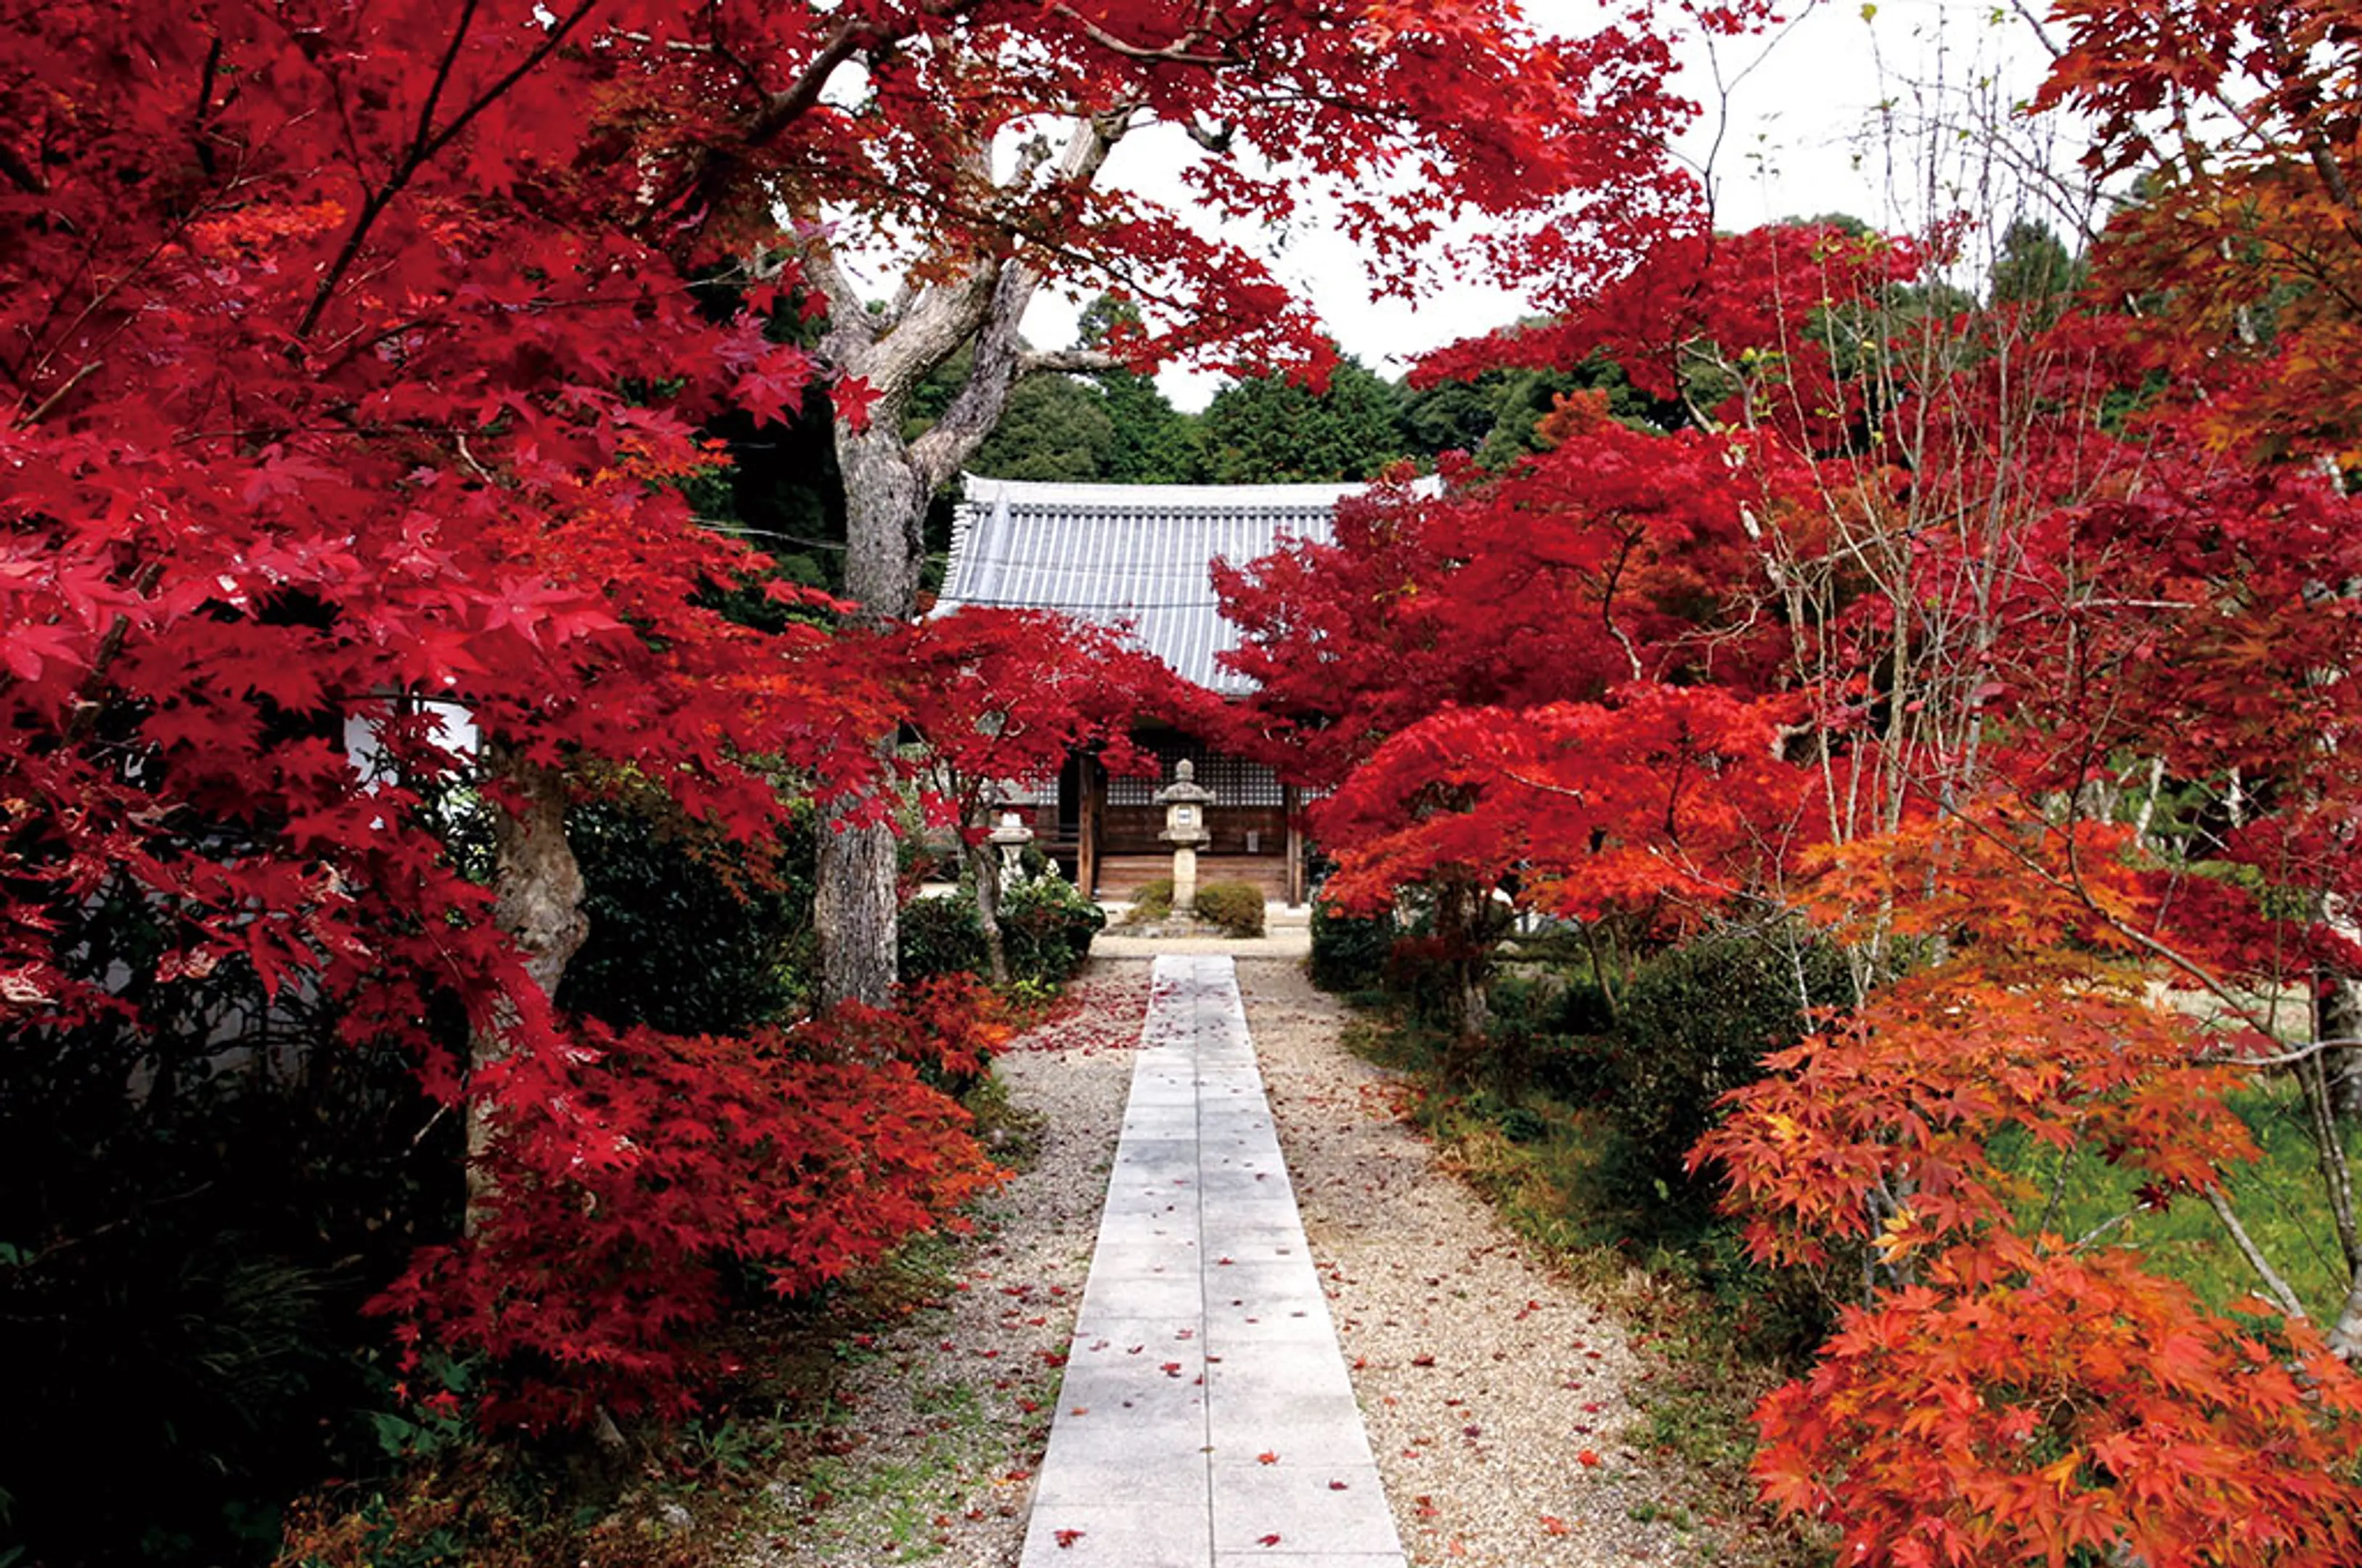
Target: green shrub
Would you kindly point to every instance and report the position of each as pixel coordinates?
(1152, 901)
(942, 936)
(677, 944)
(1349, 953)
(1046, 927)
(1696, 1022)
(1236, 907)
(184, 1260)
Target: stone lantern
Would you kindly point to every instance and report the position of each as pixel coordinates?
(1010, 831)
(1185, 802)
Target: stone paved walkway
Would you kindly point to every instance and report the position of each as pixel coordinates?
(1205, 1419)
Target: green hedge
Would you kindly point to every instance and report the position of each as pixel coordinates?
(1046, 927)
(1235, 907)
(677, 945)
(1694, 1023)
(941, 936)
(1152, 901)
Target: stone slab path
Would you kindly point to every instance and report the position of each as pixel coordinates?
(1205, 1419)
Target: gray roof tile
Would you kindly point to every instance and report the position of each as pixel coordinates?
(1127, 555)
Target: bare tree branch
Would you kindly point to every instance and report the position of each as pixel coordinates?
(2256, 1259)
(1072, 362)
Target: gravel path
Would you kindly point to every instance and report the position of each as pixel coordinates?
(1492, 1390)
(950, 1414)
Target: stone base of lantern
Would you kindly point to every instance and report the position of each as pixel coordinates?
(1185, 881)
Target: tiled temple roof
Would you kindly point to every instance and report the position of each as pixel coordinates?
(1131, 555)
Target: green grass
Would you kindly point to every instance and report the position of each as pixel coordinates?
(2278, 1199)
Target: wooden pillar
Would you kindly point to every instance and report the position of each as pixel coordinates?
(1093, 788)
(1290, 803)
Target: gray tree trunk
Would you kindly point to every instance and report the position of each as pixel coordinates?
(888, 482)
(855, 905)
(537, 902)
(856, 909)
(984, 863)
(2340, 1019)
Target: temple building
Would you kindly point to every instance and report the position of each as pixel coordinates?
(1137, 556)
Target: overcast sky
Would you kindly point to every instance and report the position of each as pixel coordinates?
(1821, 116)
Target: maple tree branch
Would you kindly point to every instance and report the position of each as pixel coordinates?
(1177, 53)
(2041, 34)
(442, 77)
(41, 410)
(2289, 1058)
(1072, 362)
(998, 349)
(115, 285)
(2156, 948)
(2328, 1152)
(2100, 1229)
(2289, 1304)
(429, 143)
(783, 108)
(20, 173)
(2318, 148)
(87, 705)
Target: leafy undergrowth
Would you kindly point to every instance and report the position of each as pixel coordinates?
(2280, 1199)
(1714, 1333)
(772, 1436)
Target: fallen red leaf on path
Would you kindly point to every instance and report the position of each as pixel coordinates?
(1586, 1458)
(1068, 1537)
(1554, 1525)
(1267, 1457)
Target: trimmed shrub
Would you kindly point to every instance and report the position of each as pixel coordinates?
(942, 936)
(681, 944)
(1152, 901)
(1046, 927)
(1696, 1022)
(1236, 907)
(1349, 953)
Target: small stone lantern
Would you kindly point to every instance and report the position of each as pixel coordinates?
(1010, 831)
(1185, 802)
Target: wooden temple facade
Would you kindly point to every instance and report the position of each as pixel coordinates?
(1137, 556)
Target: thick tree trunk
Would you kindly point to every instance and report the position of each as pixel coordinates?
(887, 483)
(854, 906)
(886, 497)
(2340, 1018)
(1463, 911)
(537, 902)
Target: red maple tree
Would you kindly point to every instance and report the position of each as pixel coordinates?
(1882, 643)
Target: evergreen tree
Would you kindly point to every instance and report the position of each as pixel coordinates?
(1056, 427)
(1276, 431)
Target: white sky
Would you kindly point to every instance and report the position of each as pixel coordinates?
(1798, 130)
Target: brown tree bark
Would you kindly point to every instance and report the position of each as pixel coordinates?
(537, 902)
